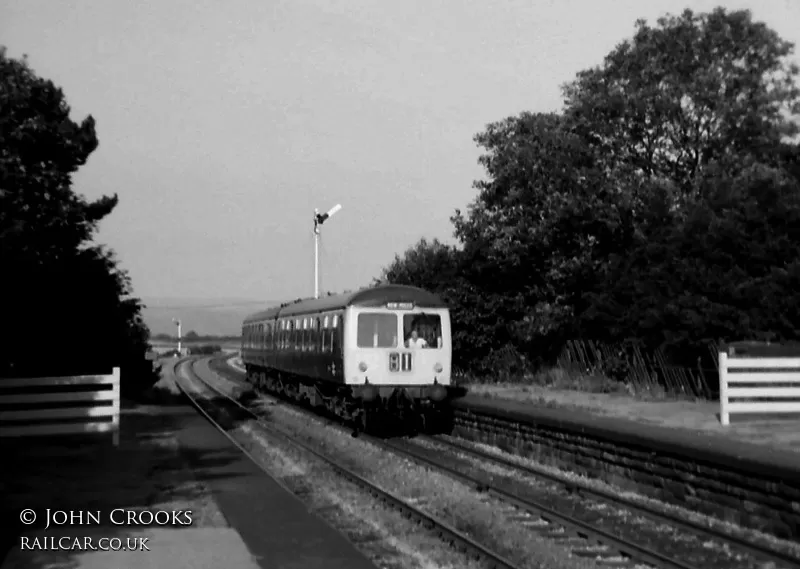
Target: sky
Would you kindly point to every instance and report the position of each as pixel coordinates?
(222, 125)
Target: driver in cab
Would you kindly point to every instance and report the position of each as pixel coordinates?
(415, 341)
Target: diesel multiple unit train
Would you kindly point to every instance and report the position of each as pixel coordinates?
(376, 357)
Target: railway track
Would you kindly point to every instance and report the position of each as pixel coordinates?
(543, 509)
(447, 533)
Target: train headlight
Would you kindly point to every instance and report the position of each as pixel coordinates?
(362, 366)
(437, 368)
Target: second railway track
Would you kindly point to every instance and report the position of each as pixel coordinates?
(576, 515)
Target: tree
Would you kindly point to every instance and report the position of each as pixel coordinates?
(695, 89)
(69, 307)
(545, 220)
(660, 206)
(430, 266)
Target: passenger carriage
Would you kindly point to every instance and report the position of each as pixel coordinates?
(366, 356)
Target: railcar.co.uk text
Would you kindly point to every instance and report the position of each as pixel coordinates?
(117, 517)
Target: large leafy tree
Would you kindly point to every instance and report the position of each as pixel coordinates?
(545, 220)
(661, 205)
(68, 307)
(694, 89)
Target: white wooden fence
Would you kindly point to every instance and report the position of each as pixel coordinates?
(770, 371)
(34, 416)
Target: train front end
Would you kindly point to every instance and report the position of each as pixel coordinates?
(400, 357)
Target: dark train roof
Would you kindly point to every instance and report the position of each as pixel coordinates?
(372, 296)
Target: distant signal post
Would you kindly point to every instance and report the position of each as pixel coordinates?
(178, 324)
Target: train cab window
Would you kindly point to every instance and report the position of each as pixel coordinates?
(377, 330)
(423, 330)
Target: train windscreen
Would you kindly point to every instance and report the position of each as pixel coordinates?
(377, 330)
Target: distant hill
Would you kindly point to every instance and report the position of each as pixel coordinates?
(212, 316)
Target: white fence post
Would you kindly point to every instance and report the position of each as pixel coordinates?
(115, 389)
(724, 414)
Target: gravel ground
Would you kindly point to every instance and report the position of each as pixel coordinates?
(387, 538)
(706, 553)
(767, 540)
(484, 519)
(661, 537)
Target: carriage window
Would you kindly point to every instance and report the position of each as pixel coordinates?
(377, 330)
(317, 344)
(336, 335)
(306, 335)
(428, 329)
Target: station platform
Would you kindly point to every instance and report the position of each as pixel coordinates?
(276, 526)
(169, 458)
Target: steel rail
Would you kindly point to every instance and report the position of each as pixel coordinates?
(583, 489)
(446, 532)
(627, 548)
